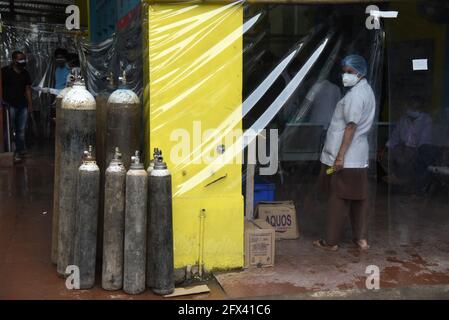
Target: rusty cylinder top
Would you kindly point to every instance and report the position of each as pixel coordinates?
(160, 167)
(135, 162)
(79, 98)
(123, 95)
(89, 163)
(116, 164)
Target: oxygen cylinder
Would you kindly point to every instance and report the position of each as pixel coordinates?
(161, 247)
(150, 262)
(102, 107)
(114, 224)
(55, 217)
(135, 227)
(87, 198)
(102, 103)
(77, 130)
(123, 123)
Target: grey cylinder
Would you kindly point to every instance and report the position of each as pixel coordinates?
(55, 217)
(123, 123)
(102, 102)
(102, 108)
(135, 227)
(150, 262)
(77, 130)
(161, 230)
(114, 224)
(87, 200)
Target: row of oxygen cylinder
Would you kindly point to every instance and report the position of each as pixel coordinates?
(122, 214)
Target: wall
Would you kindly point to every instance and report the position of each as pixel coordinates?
(105, 14)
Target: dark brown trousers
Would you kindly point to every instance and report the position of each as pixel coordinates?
(348, 196)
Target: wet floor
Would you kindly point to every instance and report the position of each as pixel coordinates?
(26, 193)
(409, 238)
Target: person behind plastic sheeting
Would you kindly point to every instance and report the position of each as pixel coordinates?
(17, 97)
(410, 150)
(62, 70)
(326, 97)
(345, 157)
(71, 63)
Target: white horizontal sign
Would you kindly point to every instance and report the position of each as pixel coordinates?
(420, 64)
(384, 14)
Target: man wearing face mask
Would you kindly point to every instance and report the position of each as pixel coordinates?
(345, 157)
(17, 96)
(409, 148)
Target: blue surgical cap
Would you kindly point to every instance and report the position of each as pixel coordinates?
(357, 62)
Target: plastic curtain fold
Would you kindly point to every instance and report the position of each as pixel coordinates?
(233, 71)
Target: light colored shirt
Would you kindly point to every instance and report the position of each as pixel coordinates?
(359, 107)
(412, 132)
(325, 98)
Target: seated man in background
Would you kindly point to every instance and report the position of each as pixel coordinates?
(410, 150)
(324, 103)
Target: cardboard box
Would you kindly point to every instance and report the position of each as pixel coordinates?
(282, 216)
(260, 242)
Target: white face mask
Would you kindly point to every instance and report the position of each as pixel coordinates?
(349, 79)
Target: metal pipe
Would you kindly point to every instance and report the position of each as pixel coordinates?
(201, 243)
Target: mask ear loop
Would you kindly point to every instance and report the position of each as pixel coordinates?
(360, 77)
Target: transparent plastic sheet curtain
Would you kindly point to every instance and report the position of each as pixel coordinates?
(38, 42)
(415, 139)
(225, 78)
(121, 52)
(270, 80)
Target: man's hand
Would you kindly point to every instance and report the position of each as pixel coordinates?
(30, 108)
(339, 164)
(347, 140)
